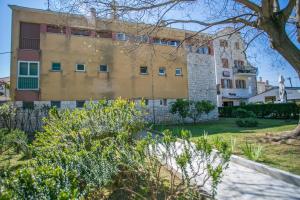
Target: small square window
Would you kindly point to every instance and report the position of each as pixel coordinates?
(121, 36)
(56, 104)
(162, 71)
(103, 68)
(173, 43)
(223, 43)
(28, 105)
(144, 70)
(163, 102)
(178, 72)
(80, 104)
(55, 67)
(80, 67)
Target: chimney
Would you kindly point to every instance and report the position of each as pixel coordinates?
(260, 79)
(267, 82)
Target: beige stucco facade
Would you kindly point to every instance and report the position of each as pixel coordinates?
(123, 59)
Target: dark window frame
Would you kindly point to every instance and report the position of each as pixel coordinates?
(56, 104)
(144, 68)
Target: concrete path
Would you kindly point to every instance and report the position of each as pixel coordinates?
(242, 183)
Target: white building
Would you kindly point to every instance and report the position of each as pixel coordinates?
(4, 89)
(272, 95)
(235, 77)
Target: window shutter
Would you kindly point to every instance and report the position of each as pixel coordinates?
(230, 83)
(211, 48)
(222, 83)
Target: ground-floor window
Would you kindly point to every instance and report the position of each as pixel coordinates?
(28, 75)
(227, 103)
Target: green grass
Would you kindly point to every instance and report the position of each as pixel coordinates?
(282, 156)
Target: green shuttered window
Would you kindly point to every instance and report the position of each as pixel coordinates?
(28, 76)
(55, 67)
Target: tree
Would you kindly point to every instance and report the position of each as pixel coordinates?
(198, 108)
(265, 17)
(180, 107)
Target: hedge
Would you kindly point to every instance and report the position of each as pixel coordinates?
(272, 111)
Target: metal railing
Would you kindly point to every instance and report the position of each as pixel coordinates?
(30, 43)
(245, 69)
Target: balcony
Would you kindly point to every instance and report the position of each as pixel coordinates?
(236, 93)
(30, 43)
(245, 70)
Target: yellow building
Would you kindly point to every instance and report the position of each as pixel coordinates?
(64, 60)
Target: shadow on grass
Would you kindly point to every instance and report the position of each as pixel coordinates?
(225, 125)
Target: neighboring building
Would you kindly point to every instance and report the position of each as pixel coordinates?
(263, 86)
(4, 89)
(65, 60)
(236, 78)
(272, 95)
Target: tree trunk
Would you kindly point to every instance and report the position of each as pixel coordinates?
(281, 42)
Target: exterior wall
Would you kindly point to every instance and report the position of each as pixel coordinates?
(122, 57)
(201, 79)
(236, 95)
(293, 94)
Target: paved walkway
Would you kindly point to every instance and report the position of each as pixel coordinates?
(242, 183)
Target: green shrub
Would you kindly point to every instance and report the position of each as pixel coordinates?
(93, 151)
(13, 139)
(42, 182)
(274, 111)
(252, 151)
(247, 122)
(243, 113)
(180, 107)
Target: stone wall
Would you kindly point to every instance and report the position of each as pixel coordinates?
(202, 81)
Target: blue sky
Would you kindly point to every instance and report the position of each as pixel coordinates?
(268, 65)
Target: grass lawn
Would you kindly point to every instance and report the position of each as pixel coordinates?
(282, 156)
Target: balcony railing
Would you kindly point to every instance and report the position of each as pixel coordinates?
(28, 83)
(245, 69)
(30, 43)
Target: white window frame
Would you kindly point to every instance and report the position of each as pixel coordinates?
(123, 36)
(176, 74)
(76, 69)
(29, 76)
(146, 72)
(162, 74)
(107, 69)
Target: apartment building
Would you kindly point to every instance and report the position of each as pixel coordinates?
(65, 60)
(235, 77)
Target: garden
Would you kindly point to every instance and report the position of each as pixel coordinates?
(96, 153)
(249, 130)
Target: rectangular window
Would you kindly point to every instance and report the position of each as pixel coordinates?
(143, 70)
(226, 73)
(28, 105)
(163, 42)
(173, 43)
(162, 71)
(56, 104)
(238, 63)
(121, 36)
(223, 43)
(156, 41)
(237, 45)
(55, 67)
(80, 67)
(142, 38)
(29, 36)
(225, 63)
(28, 76)
(240, 84)
(82, 32)
(103, 68)
(56, 29)
(104, 34)
(178, 72)
(226, 83)
(203, 50)
(80, 104)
